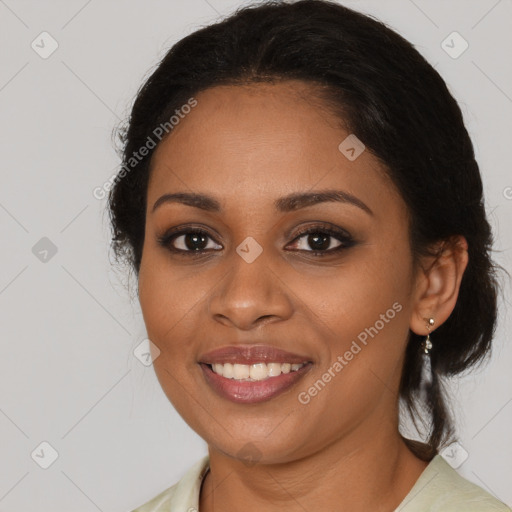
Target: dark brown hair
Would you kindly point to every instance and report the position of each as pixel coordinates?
(394, 101)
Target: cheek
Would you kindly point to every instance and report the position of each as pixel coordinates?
(365, 303)
(354, 295)
(167, 303)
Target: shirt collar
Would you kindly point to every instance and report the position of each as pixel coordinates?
(186, 495)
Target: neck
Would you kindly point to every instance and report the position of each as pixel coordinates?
(360, 472)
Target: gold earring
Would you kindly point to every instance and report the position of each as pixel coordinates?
(427, 343)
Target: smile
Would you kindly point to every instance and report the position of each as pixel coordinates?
(254, 372)
(242, 387)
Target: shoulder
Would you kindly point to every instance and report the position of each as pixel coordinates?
(159, 503)
(181, 496)
(442, 489)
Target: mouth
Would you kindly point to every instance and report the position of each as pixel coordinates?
(252, 374)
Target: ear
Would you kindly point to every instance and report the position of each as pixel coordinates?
(437, 284)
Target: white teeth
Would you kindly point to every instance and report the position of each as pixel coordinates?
(254, 372)
(240, 371)
(274, 369)
(258, 371)
(227, 370)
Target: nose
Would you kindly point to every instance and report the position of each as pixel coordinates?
(250, 294)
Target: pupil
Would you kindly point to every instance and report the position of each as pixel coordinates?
(193, 239)
(313, 241)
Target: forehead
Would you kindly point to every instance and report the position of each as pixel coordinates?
(261, 139)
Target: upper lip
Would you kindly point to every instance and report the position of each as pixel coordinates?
(251, 354)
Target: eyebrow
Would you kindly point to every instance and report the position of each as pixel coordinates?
(284, 204)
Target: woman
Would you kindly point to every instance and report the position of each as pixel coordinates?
(301, 204)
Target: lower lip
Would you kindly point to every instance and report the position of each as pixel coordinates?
(248, 392)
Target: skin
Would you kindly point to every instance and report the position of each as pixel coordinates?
(247, 146)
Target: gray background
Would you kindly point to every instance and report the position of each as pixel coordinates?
(68, 327)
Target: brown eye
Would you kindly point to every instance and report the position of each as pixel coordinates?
(318, 241)
(188, 241)
(323, 240)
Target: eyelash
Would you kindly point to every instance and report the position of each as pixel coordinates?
(342, 236)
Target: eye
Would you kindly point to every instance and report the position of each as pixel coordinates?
(191, 240)
(323, 239)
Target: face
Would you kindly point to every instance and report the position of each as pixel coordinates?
(338, 298)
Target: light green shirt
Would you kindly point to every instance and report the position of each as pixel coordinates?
(438, 489)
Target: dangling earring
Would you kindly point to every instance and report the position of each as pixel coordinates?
(427, 344)
(426, 367)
